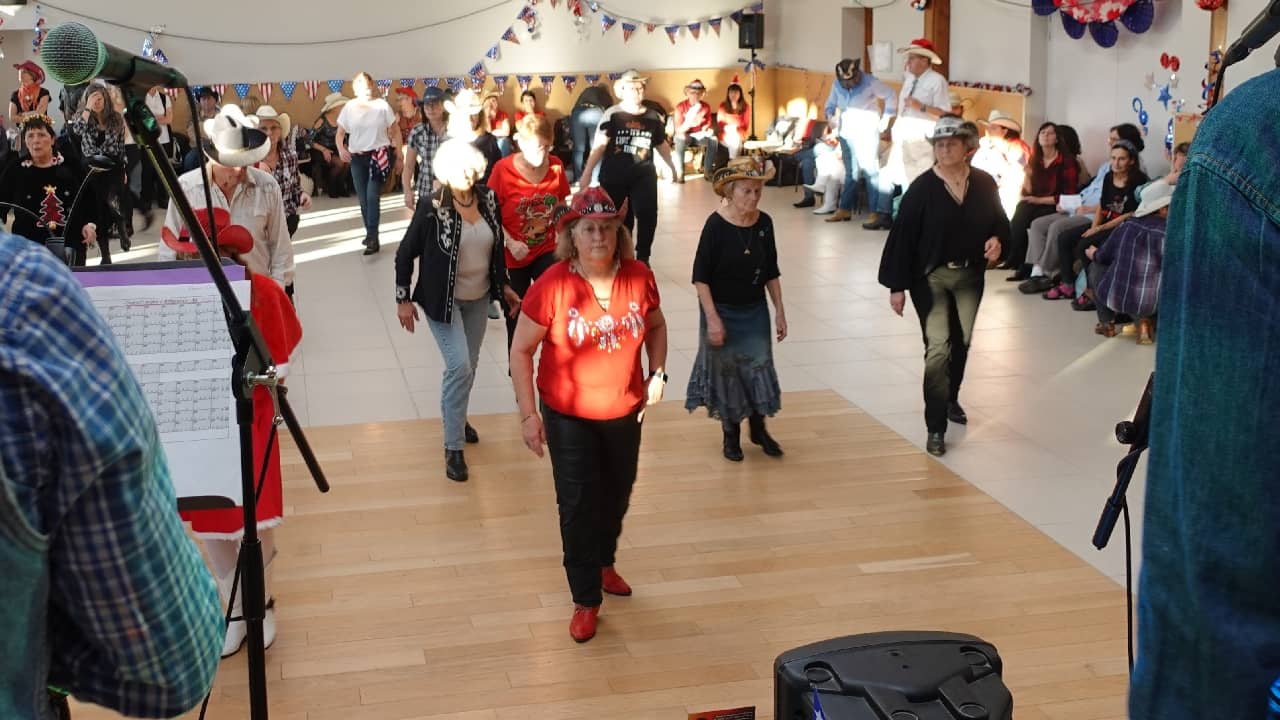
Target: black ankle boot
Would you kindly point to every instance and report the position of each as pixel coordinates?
(732, 441)
(455, 465)
(760, 436)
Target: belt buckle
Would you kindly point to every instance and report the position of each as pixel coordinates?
(958, 265)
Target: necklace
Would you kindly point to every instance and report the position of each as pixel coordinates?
(744, 234)
(461, 204)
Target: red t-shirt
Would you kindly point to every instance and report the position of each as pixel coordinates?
(520, 114)
(590, 363)
(697, 117)
(740, 122)
(527, 208)
(496, 124)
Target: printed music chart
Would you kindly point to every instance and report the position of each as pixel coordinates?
(168, 321)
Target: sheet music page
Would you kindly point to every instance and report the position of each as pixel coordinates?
(175, 340)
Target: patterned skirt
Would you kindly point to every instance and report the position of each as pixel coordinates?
(736, 380)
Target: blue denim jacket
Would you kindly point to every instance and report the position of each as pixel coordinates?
(1209, 600)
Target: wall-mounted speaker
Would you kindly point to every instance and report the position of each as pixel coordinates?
(751, 32)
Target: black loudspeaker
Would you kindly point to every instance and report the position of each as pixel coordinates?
(751, 32)
(900, 675)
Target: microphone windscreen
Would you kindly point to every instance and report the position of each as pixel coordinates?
(72, 54)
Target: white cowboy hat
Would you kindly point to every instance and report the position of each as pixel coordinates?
(999, 118)
(923, 47)
(333, 100)
(233, 139)
(466, 102)
(266, 112)
(1154, 196)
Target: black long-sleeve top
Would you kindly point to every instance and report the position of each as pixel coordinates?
(736, 262)
(60, 213)
(932, 229)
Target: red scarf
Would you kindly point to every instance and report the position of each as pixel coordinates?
(29, 97)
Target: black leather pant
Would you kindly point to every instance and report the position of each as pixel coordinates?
(594, 464)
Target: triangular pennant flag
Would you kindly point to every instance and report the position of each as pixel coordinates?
(510, 36)
(492, 54)
(650, 27)
(407, 82)
(312, 87)
(615, 76)
(336, 85)
(570, 82)
(628, 29)
(264, 91)
(477, 74)
(160, 57)
(523, 81)
(384, 86)
(715, 24)
(672, 30)
(287, 87)
(430, 82)
(455, 83)
(695, 29)
(548, 82)
(758, 7)
(606, 22)
(500, 81)
(736, 16)
(242, 90)
(818, 714)
(147, 45)
(593, 79)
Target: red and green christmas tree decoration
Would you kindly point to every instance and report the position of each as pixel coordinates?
(51, 210)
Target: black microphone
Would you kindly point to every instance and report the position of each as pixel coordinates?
(1259, 33)
(73, 55)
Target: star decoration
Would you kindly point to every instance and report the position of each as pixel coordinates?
(1164, 96)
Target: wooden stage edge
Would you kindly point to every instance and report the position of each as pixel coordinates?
(403, 595)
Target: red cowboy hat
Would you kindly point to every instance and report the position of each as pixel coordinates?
(592, 202)
(235, 239)
(410, 92)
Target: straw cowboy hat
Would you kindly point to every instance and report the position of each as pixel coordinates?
(593, 202)
(924, 48)
(266, 112)
(1154, 196)
(741, 168)
(333, 100)
(233, 139)
(631, 76)
(1001, 119)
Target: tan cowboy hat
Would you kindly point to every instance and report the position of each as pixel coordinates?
(924, 48)
(631, 76)
(233, 139)
(741, 168)
(266, 112)
(1002, 119)
(333, 100)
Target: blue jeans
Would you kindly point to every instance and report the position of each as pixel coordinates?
(879, 199)
(370, 195)
(1208, 606)
(583, 123)
(459, 343)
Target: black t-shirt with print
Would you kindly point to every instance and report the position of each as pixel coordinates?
(1117, 201)
(633, 139)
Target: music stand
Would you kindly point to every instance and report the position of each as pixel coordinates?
(251, 367)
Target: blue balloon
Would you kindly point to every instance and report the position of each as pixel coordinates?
(1139, 17)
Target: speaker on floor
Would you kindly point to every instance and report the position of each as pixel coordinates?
(899, 675)
(751, 31)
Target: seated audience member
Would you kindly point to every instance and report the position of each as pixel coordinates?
(1125, 274)
(104, 596)
(528, 106)
(807, 159)
(693, 127)
(1052, 173)
(1003, 154)
(733, 120)
(1043, 234)
(829, 174)
(1118, 201)
(497, 122)
(328, 170)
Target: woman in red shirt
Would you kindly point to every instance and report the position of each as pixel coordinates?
(528, 105)
(497, 122)
(529, 185)
(591, 314)
(733, 120)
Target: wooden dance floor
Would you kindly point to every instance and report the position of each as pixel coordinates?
(403, 595)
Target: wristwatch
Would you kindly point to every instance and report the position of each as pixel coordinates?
(658, 374)
(402, 295)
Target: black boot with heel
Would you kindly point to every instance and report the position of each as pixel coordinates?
(760, 436)
(732, 441)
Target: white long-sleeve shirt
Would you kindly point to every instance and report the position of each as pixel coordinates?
(256, 205)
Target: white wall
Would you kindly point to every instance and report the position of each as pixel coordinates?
(449, 49)
(809, 33)
(992, 42)
(1091, 88)
(898, 24)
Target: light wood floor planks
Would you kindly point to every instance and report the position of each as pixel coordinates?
(403, 595)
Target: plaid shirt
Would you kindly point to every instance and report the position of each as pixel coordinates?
(286, 173)
(425, 142)
(135, 623)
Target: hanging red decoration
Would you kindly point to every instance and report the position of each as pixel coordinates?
(1210, 5)
(1100, 18)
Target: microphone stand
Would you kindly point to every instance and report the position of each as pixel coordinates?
(251, 367)
(1135, 434)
